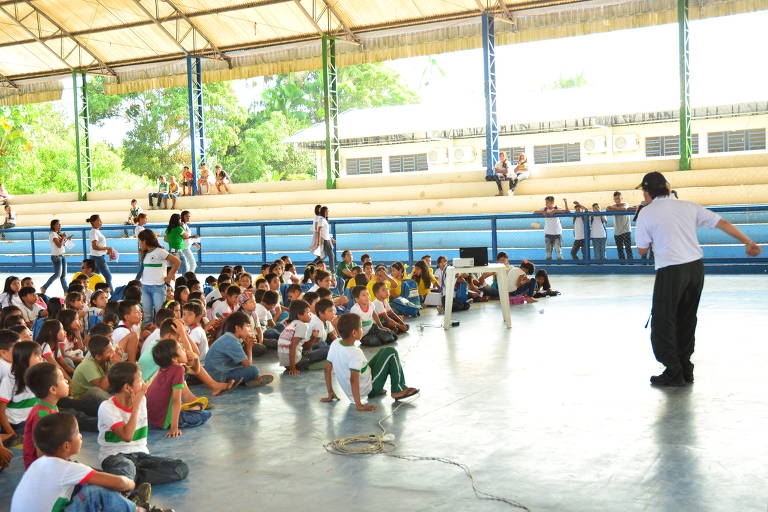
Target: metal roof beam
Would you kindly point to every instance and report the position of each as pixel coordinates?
(181, 15)
(7, 83)
(33, 21)
(330, 5)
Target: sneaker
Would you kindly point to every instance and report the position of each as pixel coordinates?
(261, 380)
(670, 377)
(142, 495)
(688, 372)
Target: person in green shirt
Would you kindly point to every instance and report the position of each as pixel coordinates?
(160, 195)
(345, 266)
(175, 235)
(90, 378)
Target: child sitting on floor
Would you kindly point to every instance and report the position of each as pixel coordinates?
(47, 382)
(123, 429)
(16, 399)
(168, 391)
(125, 336)
(320, 329)
(294, 338)
(543, 288)
(356, 375)
(30, 309)
(230, 356)
(374, 333)
(381, 308)
(524, 285)
(54, 482)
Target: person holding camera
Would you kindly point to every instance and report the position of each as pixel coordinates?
(58, 239)
(669, 225)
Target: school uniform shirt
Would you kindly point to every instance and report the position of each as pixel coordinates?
(86, 372)
(322, 328)
(366, 316)
(325, 232)
(7, 299)
(67, 348)
(670, 225)
(552, 225)
(160, 395)
(48, 484)
(262, 315)
(175, 240)
(621, 222)
(138, 229)
(30, 314)
(39, 411)
(221, 309)
(381, 308)
(55, 250)
(296, 329)
(155, 267)
(578, 228)
(17, 405)
(121, 331)
(215, 294)
(287, 277)
(440, 275)
(596, 227)
(101, 241)
(345, 360)
(5, 369)
(150, 341)
(146, 362)
(187, 241)
(224, 355)
(199, 338)
(113, 415)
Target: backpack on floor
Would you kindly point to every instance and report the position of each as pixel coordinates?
(403, 306)
(409, 290)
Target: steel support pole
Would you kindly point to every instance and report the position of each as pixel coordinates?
(82, 134)
(196, 120)
(685, 90)
(489, 80)
(331, 104)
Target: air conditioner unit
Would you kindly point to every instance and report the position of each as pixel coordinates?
(626, 142)
(438, 156)
(594, 145)
(464, 154)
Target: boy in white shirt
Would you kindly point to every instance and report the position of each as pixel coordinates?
(382, 309)
(50, 482)
(295, 337)
(125, 336)
(578, 232)
(192, 316)
(553, 229)
(357, 376)
(268, 312)
(374, 334)
(224, 308)
(321, 332)
(30, 309)
(123, 429)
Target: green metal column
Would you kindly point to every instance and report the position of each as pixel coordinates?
(331, 104)
(82, 134)
(685, 90)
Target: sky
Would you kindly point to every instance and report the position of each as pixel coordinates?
(725, 62)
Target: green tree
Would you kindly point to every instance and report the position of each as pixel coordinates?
(569, 82)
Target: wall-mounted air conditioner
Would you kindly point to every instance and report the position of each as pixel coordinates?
(627, 142)
(438, 156)
(464, 154)
(594, 145)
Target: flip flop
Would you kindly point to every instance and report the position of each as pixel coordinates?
(199, 404)
(408, 393)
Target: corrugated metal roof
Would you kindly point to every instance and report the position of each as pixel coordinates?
(126, 39)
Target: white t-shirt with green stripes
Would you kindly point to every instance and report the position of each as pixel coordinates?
(366, 317)
(155, 267)
(17, 405)
(48, 484)
(112, 415)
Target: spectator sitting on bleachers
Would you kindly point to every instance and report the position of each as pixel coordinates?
(10, 219)
(500, 172)
(4, 195)
(160, 195)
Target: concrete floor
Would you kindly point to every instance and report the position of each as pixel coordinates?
(555, 412)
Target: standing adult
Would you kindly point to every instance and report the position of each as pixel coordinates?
(99, 249)
(175, 235)
(622, 232)
(669, 226)
(325, 236)
(500, 172)
(187, 257)
(57, 239)
(155, 278)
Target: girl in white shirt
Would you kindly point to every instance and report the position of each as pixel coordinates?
(324, 229)
(98, 249)
(57, 239)
(156, 275)
(597, 233)
(10, 295)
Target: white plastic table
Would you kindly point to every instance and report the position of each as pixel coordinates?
(501, 279)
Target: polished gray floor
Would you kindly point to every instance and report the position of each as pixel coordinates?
(555, 412)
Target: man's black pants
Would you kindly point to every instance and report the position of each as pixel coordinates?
(676, 295)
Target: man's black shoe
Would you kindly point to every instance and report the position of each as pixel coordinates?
(669, 378)
(688, 372)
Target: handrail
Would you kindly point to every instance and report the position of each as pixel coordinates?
(408, 221)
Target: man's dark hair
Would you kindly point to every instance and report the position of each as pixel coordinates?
(125, 307)
(40, 378)
(194, 307)
(322, 305)
(120, 374)
(224, 278)
(310, 296)
(233, 290)
(164, 352)
(616, 194)
(293, 288)
(162, 315)
(357, 290)
(97, 345)
(26, 290)
(236, 319)
(89, 264)
(324, 293)
(528, 267)
(501, 254)
(549, 198)
(131, 294)
(376, 287)
(52, 431)
(101, 329)
(270, 298)
(167, 327)
(348, 322)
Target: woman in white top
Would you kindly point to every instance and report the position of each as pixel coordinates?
(597, 233)
(57, 239)
(154, 278)
(10, 219)
(324, 231)
(316, 247)
(98, 249)
(187, 257)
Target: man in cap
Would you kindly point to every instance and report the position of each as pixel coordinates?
(668, 226)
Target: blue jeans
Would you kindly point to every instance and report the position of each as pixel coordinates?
(141, 268)
(189, 419)
(59, 272)
(152, 299)
(142, 467)
(598, 248)
(247, 373)
(93, 498)
(103, 269)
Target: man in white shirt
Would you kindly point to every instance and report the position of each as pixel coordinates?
(669, 226)
(553, 229)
